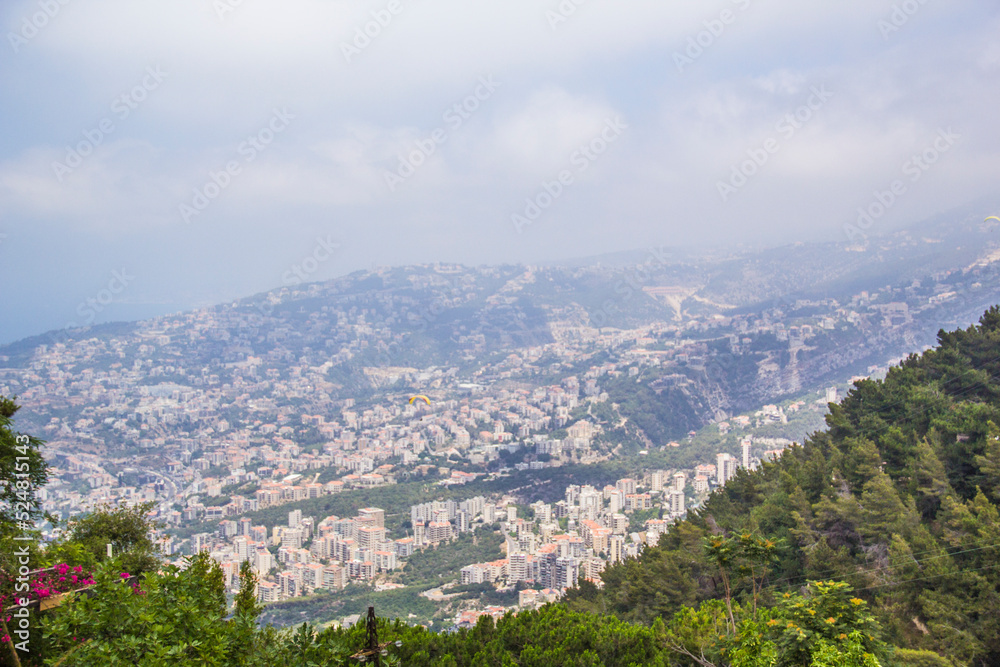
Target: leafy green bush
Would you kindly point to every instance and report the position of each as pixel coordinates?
(177, 618)
(126, 529)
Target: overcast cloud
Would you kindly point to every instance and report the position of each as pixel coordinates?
(203, 148)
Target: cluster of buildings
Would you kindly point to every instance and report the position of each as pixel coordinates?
(549, 550)
(578, 536)
(305, 555)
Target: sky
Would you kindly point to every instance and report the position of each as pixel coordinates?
(161, 156)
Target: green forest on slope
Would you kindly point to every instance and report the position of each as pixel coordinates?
(897, 498)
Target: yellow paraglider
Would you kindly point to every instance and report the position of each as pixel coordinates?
(993, 217)
(420, 397)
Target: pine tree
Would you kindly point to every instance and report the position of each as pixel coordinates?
(882, 512)
(23, 470)
(246, 605)
(929, 481)
(860, 462)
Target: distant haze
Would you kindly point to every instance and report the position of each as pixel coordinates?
(160, 156)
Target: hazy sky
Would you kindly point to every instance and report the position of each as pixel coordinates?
(161, 155)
